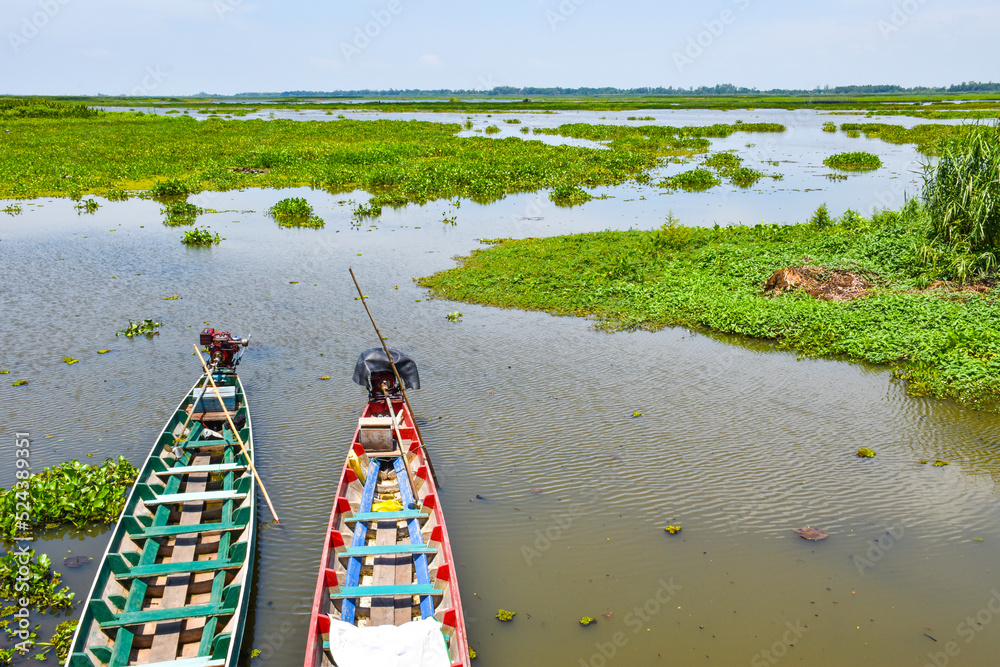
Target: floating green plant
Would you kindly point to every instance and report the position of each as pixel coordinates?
(147, 328)
(454, 316)
(505, 615)
(4, 372)
(43, 585)
(12, 209)
(472, 654)
(71, 493)
(587, 620)
(829, 127)
(180, 213)
(201, 237)
(171, 298)
(103, 351)
(18, 383)
(525, 130)
(866, 453)
(325, 377)
(569, 195)
(856, 161)
(512, 121)
(673, 529)
(723, 161)
(492, 129)
(693, 180)
(70, 360)
(744, 177)
(370, 210)
(172, 187)
(940, 464)
(86, 206)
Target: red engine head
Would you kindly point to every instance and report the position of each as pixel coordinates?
(224, 349)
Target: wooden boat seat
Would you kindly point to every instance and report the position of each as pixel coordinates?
(108, 619)
(211, 468)
(124, 569)
(202, 661)
(204, 496)
(385, 550)
(405, 590)
(137, 532)
(387, 516)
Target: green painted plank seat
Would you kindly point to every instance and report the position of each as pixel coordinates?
(204, 496)
(137, 532)
(405, 590)
(388, 516)
(107, 619)
(127, 566)
(385, 550)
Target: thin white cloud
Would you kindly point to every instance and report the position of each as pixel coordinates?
(430, 60)
(325, 63)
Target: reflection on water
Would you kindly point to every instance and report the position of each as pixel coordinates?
(556, 495)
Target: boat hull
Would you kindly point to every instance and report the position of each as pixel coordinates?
(173, 586)
(356, 558)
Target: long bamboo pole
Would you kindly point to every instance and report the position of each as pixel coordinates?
(178, 439)
(402, 387)
(399, 437)
(236, 432)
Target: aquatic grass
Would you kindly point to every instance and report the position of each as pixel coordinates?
(927, 137)
(70, 493)
(201, 237)
(146, 327)
(172, 187)
(295, 212)
(86, 206)
(854, 161)
(569, 195)
(711, 279)
(693, 180)
(180, 213)
(12, 209)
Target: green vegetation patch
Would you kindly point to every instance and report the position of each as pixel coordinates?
(944, 343)
(201, 237)
(856, 161)
(693, 180)
(73, 493)
(569, 195)
(295, 212)
(180, 212)
(927, 137)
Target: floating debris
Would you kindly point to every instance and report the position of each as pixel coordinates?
(673, 529)
(812, 533)
(77, 561)
(18, 383)
(325, 377)
(636, 414)
(505, 616)
(103, 351)
(70, 360)
(587, 620)
(866, 453)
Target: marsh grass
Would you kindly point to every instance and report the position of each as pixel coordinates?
(943, 344)
(295, 212)
(855, 161)
(962, 194)
(693, 180)
(201, 237)
(569, 195)
(180, 213)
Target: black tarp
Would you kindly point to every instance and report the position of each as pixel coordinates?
(375, 361)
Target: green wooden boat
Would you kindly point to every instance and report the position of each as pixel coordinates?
(173, 587)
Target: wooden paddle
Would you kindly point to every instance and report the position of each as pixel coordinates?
(236, 432)
(402, 388)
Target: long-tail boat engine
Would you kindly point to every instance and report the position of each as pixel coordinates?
(224, 349)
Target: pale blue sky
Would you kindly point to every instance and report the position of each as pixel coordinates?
(178, 47)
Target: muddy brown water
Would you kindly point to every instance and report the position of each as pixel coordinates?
(556, 496)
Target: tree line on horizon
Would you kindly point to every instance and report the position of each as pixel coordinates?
(719, 89)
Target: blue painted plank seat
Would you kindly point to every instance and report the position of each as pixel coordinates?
(419, 560)
(349, 606)
(388, 516)
(406, 590)
(385, 550)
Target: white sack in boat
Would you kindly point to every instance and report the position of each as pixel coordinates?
(414, 644)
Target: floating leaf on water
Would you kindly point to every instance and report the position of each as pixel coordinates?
(673, 529)
(18, 383)
(77, 561)
(505, 615)
(103, 351)
(938, 464)
(171, 298)
(866, 453)
(587, 620)
(472, 654)
(70, 360)
(325, 377)
(978, 539)
(636, 414)
(293, 282)
(812, 533)
(922, 462)
(4, 372)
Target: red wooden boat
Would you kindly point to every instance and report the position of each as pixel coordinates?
(387, 593)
